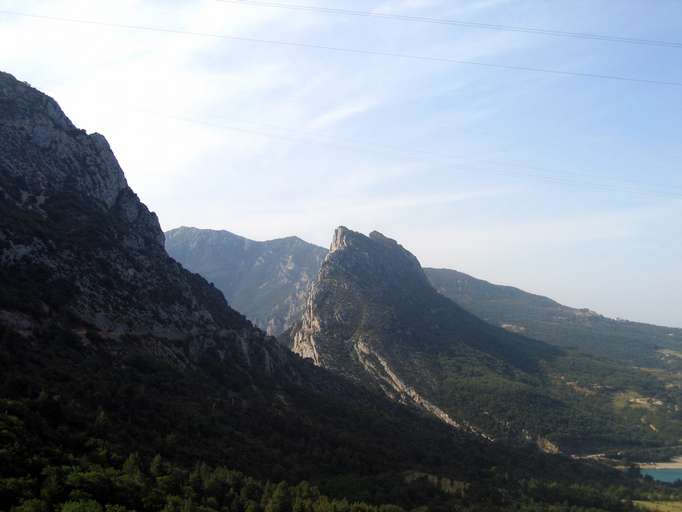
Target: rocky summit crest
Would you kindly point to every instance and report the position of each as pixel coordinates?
(373, 316)
(365, 286)
(61, 156)
(79, 250)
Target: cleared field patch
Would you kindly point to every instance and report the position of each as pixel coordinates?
(660, 506)
(671, 353)
(635, 400)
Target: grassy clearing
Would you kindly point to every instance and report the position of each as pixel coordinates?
(660, 506)
(632, 399)
(671, 353)
(622, 400)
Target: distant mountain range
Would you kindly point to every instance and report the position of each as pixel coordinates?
(268, 281)
(539, 317)
(283, 269)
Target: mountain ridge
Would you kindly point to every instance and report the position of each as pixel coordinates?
(72, 192)
(532, 315)
(372, 315)
(543, 318)
(266, 280)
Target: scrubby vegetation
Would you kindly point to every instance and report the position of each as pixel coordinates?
(80, 434)
(631, 343)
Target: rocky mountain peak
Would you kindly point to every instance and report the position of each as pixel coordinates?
(380, 237)
(62, 157)
(374, 260)
(79, 250)
(361, 281)
(373, 316)
(340, 238)
(47, 161)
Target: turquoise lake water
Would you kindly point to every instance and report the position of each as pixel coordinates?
(664, 475)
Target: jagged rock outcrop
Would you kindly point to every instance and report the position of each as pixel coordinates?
(78, 248)
(357, 277)
(373, 316)
(43, 153)
(267, 281)
(364, 319)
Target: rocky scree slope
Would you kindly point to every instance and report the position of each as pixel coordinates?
(267, 281)
(373, 316)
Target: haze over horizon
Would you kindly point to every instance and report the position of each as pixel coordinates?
(564, 186)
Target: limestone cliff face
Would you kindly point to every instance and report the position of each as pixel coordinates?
(79, 249)
(355, 270)
(349, 315)
(267, 281)
(373, 316)
(45, 155)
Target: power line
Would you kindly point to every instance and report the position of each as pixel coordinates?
(458, 23)
(355, 51)
(548, 175)
(377, 148)
(354, 143)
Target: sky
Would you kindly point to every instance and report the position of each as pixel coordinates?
(562, 185)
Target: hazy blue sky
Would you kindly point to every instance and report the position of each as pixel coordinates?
(565, 186)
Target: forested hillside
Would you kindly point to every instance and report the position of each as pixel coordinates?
(539, 317)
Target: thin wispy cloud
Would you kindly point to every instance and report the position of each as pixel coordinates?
(338, 114)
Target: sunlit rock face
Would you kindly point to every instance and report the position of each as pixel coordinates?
(373, 316)
(351, 321)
